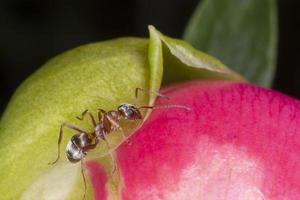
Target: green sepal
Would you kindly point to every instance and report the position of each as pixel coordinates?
(99, 75)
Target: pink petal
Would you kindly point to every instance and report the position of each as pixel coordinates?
(239, 141)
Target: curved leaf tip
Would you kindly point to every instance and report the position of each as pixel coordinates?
(183, 62)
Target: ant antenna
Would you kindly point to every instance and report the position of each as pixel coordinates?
(166, 106)
(149, 92)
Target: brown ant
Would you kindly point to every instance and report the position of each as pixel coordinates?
(83, 141)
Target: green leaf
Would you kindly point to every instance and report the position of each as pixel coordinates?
(241, 33)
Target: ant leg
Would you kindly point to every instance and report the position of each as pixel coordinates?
(84, 180)
(116, 124)
(110, 153)
(61, 136)
(122, 133)
(149, 92)
(100, 112)
(90, 115)
(146, 107)
(91, 146)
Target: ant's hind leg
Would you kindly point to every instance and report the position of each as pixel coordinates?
(116, 124)
(60, 136)
(84, 180)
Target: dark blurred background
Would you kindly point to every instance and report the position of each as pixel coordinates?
(33, 31)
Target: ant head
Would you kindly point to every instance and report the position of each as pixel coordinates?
(76, 145)
(129, 111)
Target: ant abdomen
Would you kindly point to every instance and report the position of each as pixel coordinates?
(77, 146)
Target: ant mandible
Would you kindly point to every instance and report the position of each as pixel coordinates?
(84, 141)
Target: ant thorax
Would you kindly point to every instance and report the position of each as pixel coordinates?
(129, 111)
(110, 121)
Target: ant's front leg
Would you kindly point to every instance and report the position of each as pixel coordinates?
(60, 136)
(116, 124)
(113, 160)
